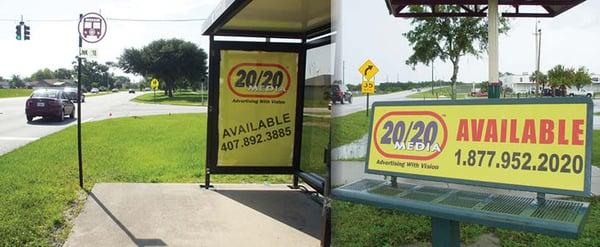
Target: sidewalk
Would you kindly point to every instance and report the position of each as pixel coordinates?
(130, 214)
(344, 172)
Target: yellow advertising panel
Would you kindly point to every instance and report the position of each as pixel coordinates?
(257, 108)
(516, 144)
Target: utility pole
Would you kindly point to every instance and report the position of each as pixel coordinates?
(537, 58)
(343, 72)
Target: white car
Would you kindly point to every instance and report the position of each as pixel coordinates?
(95, 90)
(580, 92)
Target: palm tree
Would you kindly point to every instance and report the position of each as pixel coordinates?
(540, 79)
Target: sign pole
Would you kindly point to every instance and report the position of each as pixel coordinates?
(368, 71)
(367, 104)
(79, 154)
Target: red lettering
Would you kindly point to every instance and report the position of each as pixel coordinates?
(546, 131)
(577, 132)
(562, 140)
(477, 129)
(491, 131)
(503, 124)
(513, 131)
(529, 132)
(463, 130)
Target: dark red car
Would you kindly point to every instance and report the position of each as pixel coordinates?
(49, 103)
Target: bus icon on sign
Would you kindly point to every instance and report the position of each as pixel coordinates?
(92, 27)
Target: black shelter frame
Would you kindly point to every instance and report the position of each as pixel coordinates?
(299, 42)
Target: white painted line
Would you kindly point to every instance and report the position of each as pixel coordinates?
(88, 120)
(11, 138)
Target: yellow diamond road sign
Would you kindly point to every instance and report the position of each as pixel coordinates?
(154, 84)
(368, 69)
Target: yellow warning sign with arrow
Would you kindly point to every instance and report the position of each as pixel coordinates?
(368, 70)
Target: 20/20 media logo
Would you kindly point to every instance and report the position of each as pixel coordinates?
(258, 80)
(412, 135)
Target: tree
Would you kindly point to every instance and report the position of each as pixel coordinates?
(561, 78)
(17, 82)
(64, 74)
(581, 78)
(172, 61)
(92, 71)
(447, 38)
(540, 78)
(42, 74)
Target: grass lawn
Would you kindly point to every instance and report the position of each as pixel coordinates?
(315, 137)
(39, 182)
(442, 93)
(179, 98)
(14, 92)
(349, 128)
(362, 225)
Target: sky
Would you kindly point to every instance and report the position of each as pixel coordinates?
(365, 29)
(54, 44)
(369, 32)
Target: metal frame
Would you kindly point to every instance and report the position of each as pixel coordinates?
(235, 6)
(575, 100)
(212, 146)
(478, 8)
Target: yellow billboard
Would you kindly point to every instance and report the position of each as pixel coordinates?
(513, 143)
(257, 108)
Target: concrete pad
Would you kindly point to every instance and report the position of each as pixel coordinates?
(344, 172)
(129, 214)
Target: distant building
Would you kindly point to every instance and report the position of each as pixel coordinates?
(50, 83)
(522, 84)
(4, 84)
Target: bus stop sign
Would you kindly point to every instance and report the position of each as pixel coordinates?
(92, 27)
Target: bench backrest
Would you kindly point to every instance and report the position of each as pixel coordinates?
(538, 145)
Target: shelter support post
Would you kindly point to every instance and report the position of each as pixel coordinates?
(445, 233)
(295, 181)
(206, 179)
(493, 80)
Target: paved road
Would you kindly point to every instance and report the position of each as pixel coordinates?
(359, 103)
(16, 132)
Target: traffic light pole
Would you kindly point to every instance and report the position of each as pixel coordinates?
(79, 155)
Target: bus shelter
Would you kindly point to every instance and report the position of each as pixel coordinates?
(256, 85)
(483, 8)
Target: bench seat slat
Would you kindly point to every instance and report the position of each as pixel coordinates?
(554, 217)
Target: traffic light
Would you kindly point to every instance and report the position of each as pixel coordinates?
(26, 34)
(18, 32)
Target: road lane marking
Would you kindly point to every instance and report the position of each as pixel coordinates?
(88, 120)
(12, 138)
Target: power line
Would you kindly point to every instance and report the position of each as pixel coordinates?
(110, 19)
(156, 20)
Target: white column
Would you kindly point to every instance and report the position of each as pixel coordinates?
(493, 40)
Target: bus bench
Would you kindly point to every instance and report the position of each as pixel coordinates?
(448, 206)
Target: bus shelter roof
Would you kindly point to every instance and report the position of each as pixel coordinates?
(298, 19)
(478, 8)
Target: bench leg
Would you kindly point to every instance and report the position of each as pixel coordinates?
(445, 233)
